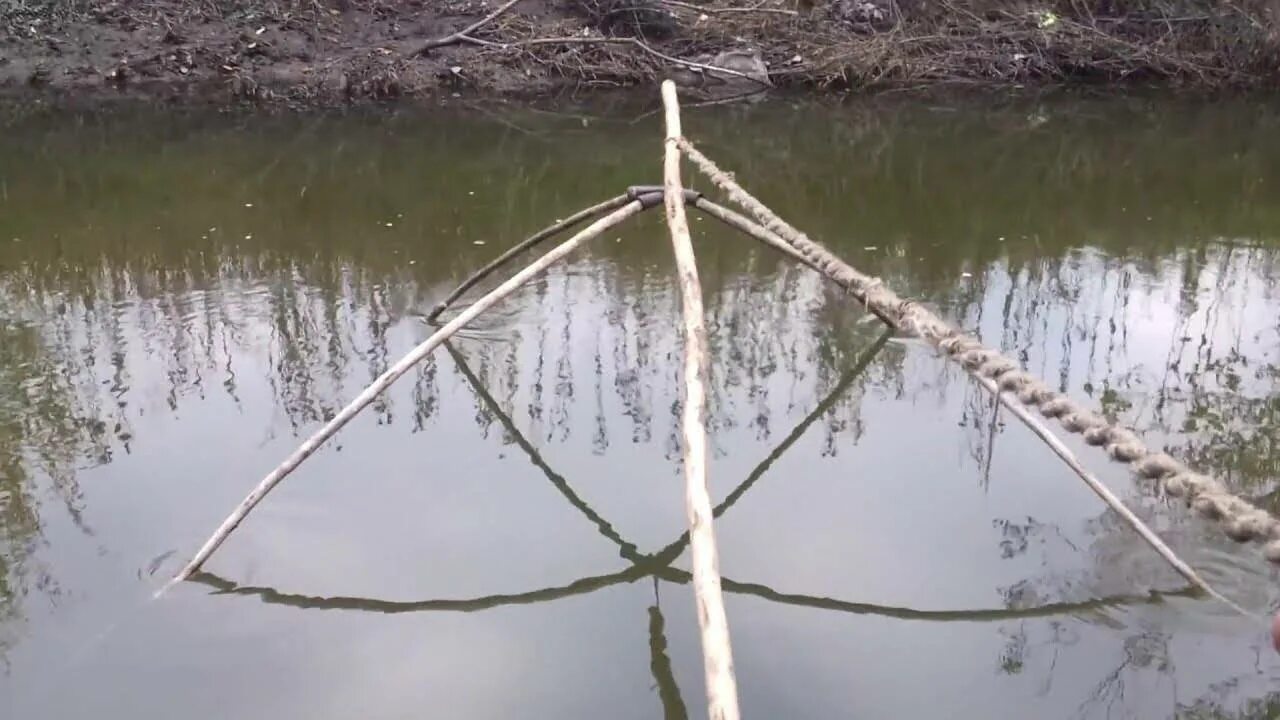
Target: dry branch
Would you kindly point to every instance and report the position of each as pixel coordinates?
(463, 35)
(717, 655)
(644, 47)
(712, 10)
(385, 380)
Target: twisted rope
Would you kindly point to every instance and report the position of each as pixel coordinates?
(1239, 519)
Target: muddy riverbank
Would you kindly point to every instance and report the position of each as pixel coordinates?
(339, 51)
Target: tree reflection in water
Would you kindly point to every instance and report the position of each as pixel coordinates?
(1069, 253)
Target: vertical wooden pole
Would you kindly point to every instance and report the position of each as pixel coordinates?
(717, 655)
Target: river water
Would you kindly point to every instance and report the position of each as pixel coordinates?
(185, 296)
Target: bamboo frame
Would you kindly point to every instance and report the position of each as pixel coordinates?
(707, 583)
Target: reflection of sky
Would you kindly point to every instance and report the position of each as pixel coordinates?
(902, 514)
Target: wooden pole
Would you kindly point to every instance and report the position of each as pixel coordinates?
(528, 243)
(717, 655)
(384, 381)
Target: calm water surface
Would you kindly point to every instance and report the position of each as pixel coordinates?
(183, 298)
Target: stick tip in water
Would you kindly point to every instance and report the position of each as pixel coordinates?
(1275, 631)
(165, 588)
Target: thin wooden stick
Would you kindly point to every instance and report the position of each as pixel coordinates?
(1060, 449)
(530, 242)
(462, 35)
(384, 380)
(754, 229)
(719, 10)
(717, 655)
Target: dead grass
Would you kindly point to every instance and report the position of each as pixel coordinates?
(872, 43)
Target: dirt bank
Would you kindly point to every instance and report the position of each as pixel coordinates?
(335, 51)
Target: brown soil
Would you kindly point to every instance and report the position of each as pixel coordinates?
(337, 51)
(308, 52)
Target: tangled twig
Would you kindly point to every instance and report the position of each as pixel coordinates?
(641, 45)
(464, 35)
(709, 10)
